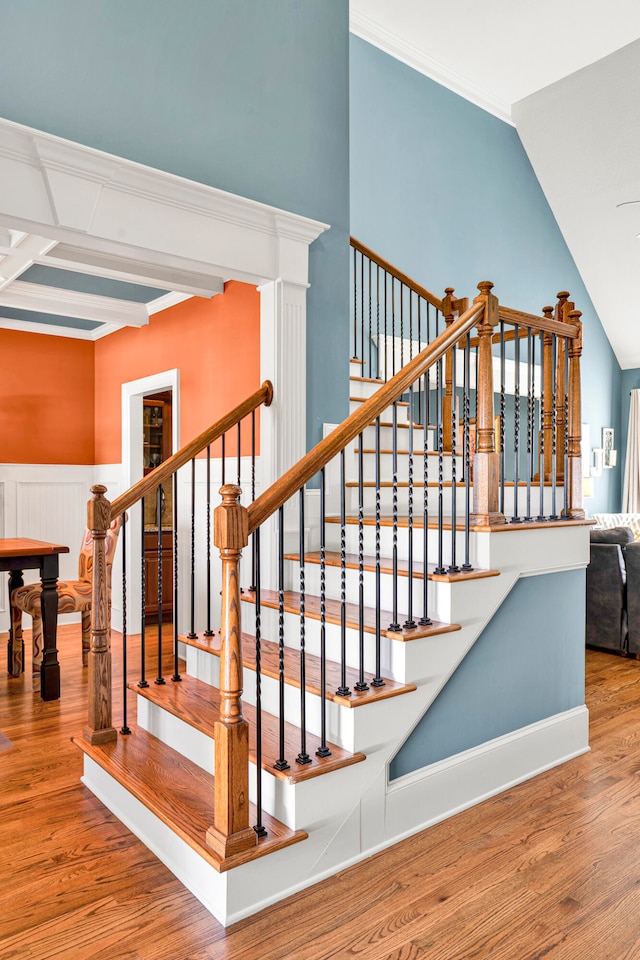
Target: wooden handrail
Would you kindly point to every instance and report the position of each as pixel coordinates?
(317, 458)
(165, 470)
(398, 274)
(542, 324)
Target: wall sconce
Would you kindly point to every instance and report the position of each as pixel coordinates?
(598, 460)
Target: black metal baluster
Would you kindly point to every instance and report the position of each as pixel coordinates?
(440, 435)
(516, 428)
(174, 520)
(323, 749)
(467, 451)
(503, 403)
(377, 680)
(124, 729)
(360, 683)
(253, 491)
(401, 325)
(369, 368)
(541, 445)
(224, 464)
(425, 619)
(143, 599)
(394, 625)
(453, 567)
(386, 331)
(411, 328)
(259, 827)
(281, 762)
(377, 321)
(208, 632)
(303, 757)
(419, 302)
(355, 304)
(410, 623)
(343, 690)
(239, 455)
(192, 632)
(565, 512)
(393, 326)
(530, 368)
(159, 679)
(554, 424)
(362, 309)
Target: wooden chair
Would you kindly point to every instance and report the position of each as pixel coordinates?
(74, 596)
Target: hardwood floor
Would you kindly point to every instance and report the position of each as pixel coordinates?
(548, 869)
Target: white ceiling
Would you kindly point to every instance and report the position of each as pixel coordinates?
(567, 74)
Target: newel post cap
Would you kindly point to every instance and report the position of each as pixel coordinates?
(98, 509)
(230, 520)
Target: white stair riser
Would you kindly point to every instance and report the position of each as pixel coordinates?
(402, 411)
(340, 729)
(438, 592)
(269, 629)
(402, 463)
(333, 537)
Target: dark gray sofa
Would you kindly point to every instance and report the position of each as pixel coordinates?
(613, 591)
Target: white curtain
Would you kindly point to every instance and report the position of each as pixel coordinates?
(631, 491)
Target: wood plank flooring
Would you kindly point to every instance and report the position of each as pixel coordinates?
(548, 869)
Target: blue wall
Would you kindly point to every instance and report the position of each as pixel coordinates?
(248, 97)
(446, 191)
(527, 664)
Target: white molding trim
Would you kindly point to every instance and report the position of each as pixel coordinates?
(53, 330)
(439, 791)
(170, 300)
(86, 198)
(368, 29)
(71, 303)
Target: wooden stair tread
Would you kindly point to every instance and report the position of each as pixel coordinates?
(405, 453)
(399, 403)
(269, 598)
(356, 379)
(198, 704)
(352, 563)
(269, 663)
(180, 793)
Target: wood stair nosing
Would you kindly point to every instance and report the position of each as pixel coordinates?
(332, 559)
(269, 666)
(198, 704)
(269, 598)
(399, 403)
(179, 793)
(432, 523)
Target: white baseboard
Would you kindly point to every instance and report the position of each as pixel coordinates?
(439, 791)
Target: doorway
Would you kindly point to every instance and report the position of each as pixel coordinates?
(157, 411)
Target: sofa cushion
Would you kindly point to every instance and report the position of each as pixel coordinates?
(619, 535)
(608, 520)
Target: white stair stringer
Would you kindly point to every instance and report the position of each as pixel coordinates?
(351, 813)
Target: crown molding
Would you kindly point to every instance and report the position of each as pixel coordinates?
(373, 32)
(83, 197)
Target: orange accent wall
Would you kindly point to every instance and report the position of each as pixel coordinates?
(47, 391)
(214, 343)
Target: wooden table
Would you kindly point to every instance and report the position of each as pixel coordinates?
(21, 554)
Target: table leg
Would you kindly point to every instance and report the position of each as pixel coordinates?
(15, 648)
(50, 669)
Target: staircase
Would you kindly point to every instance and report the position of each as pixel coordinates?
(392, 553)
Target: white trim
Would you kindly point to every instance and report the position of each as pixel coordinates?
(71, 303)
(170, 300)
(368, 29)
(53, 330)
(437, 792)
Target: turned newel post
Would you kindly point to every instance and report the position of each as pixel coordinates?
(547, 399)
(486, 462)
(564, 307)
(574, 480)
(231, 832)
(99, 727)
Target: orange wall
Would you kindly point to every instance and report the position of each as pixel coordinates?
(214, 343)
(47, 399)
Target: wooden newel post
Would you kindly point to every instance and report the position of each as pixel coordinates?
(574, 480)
(486, 462)
(230, 832)
(99, 727)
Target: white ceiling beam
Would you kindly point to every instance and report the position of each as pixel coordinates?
(71, 303)
(23, 255)
(132, 270)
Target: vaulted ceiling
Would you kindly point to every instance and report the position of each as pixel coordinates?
(567, 75)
